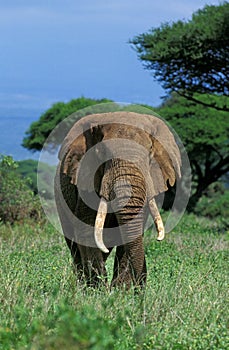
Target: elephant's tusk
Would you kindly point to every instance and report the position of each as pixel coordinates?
(157, 220)
(160, 228)
(99, 224)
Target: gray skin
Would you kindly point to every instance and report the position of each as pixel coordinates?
(144, 158)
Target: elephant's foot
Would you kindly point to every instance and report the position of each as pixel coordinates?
(121, 282)
(94, 278)
(130, 268)
(93, 263)
(126, 281)
(78, 272)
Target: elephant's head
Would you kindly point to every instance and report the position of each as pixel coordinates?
(111, 152)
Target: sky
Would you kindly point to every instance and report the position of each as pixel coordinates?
(57, 50)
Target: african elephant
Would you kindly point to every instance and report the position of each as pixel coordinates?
(112, 165)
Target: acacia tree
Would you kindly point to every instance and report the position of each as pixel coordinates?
(204, 132)
(39, 130)
(191, 57)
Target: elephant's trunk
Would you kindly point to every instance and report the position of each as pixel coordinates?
(99, 225)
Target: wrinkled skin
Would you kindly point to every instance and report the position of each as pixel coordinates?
(112, 182)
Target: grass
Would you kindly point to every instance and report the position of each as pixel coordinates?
(185, 304)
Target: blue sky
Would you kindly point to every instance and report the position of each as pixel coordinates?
(54, 50)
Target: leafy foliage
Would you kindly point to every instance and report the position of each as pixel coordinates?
(214, 203)
(204, 132)
(190, 57)
(28, 169)
(18, 202)
(39, 130)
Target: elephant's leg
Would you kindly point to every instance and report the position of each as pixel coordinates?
(93, 261)
(130, 264)
(121, 273)
(131, 219)
(136, 257)
(75, 253)
(66, 196)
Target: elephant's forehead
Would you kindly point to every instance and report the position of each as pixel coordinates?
(121, 125)
(129, 132)
(144, 122)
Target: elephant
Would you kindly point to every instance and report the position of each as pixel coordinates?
(111, 167)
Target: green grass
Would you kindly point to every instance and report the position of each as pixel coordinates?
(185, 304)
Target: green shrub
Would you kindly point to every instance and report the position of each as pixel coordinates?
(18, 201)
(29, 168)
(81, 329)
(215, 202)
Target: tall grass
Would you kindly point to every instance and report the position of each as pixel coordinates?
(184, 306)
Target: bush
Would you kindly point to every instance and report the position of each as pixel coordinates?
(17, 200)
(84, 329)
(215, 202)
(28, 168)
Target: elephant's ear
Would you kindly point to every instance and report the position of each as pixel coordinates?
(72, 157)
(165, 159)
(75, 145)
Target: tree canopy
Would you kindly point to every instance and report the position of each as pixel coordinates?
(39, 130)
(204, 132)
(190, 57)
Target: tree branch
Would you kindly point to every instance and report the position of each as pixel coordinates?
(211, 105)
